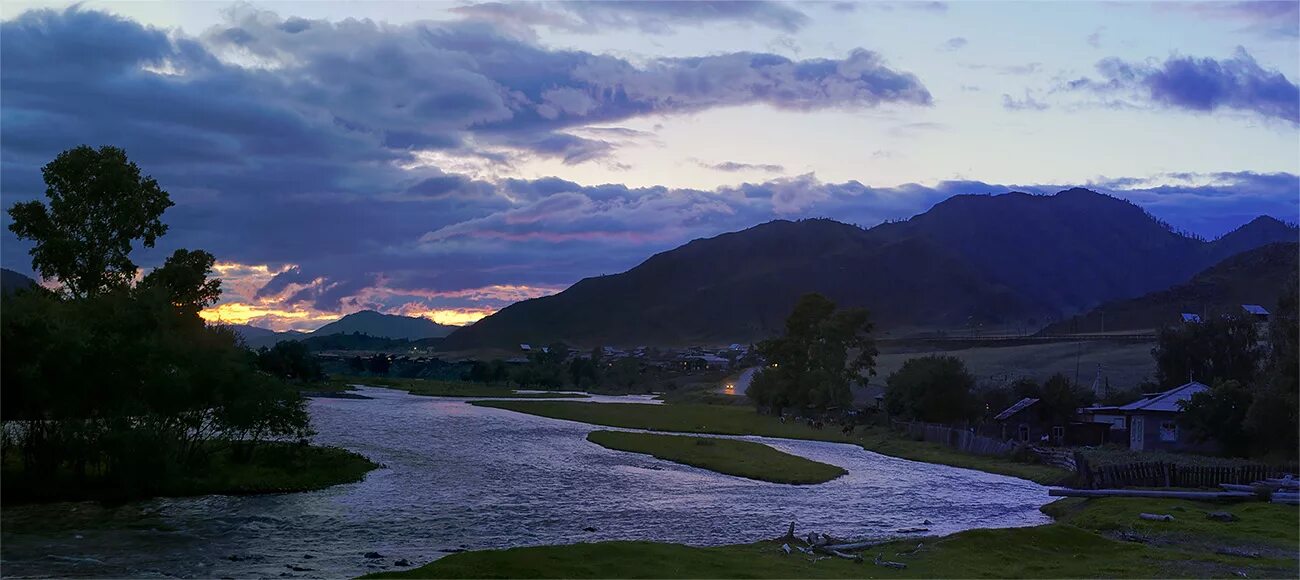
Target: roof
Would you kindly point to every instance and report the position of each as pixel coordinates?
(1254, 309)
(1189, 317)
(1166, 402)
(1016, 408)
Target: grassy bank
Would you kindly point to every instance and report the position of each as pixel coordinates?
(273, 468)
(1083, 543)
(734, 420)
(740, 458)
(433, 388)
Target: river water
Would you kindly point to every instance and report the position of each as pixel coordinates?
(458, 476)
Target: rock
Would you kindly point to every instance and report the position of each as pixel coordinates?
(1221, 516)
(236, 558)
(785, 548)
(588, 529)
(297, 568)
(373, 555)
(403, 563)
(451, 550)
(307, 556)
(1237, 552)
(1156, 517)
(927, 523)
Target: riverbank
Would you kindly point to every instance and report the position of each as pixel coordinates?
(1089, 539)
(273, 468)
(434, 388)
(726, 456)
(736, 420)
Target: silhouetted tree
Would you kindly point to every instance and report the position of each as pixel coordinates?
(99, 205)
(810, 365)
(931, 388)
(1221, 348)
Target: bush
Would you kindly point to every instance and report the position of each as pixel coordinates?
(932, 388)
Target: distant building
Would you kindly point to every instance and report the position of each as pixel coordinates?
(1021, 422)
(1255, 311)
(1153, 420)
(526, 348)
(1191, 318)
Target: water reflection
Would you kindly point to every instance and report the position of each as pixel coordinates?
(459, 476)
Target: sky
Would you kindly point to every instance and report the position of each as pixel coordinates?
(445, 159)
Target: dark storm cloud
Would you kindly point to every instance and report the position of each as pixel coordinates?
(648, 16)
(295, 141)
(1197, 84)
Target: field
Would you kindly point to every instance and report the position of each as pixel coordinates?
(273, 468)
(435, 388)
(738, 420)
(1100, 538)
(1124, 364)
(727, 456)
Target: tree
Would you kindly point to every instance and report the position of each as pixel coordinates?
(1060, 397)
(99, 205)
(289, 359)
(1219, 414)
(933, 388)
(379, 364)
(1216, 349)
(1273, 419)
(184, 280)
(810, 366)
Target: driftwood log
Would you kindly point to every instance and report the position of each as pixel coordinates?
(1170, 494)
(880, 561)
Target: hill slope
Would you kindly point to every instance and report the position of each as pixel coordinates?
(11, 281)
(385, 326)
(1010, 261)
(1255, 276)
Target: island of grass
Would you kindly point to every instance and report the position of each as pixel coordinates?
(437, 388)
(1096, 538)
(727, 456)
(271, 468)
(736, 420)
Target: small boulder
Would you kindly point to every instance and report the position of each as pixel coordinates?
(297, 568)
(588, 529)
(1222, 516)
(927, 523)
(374, 555)
(307, 556)
(402, 563)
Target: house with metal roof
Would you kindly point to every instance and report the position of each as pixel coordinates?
(1153, 420)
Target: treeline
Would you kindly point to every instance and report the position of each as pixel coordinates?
(117, 383)
(557, 366)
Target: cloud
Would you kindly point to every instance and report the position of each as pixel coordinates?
(1010, 70)
(1027, 103)
(955, 43)
(1094, 39)
(733, 166)
(1268, 18)
(1197, 84)
(647, 16)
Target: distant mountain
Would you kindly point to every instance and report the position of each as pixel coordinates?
(257, 337)
(1010, 260)
(381, 325)
(1256, 276)
(11, 281)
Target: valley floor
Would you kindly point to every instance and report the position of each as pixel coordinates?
(743, 420)
(1096, 538)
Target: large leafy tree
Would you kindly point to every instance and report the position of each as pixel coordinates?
(823, 350)
(99, 205)
(1216, 349)
(932, 388)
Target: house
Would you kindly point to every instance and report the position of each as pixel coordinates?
(1153, 420)
(1190, 318)
(1255, 312)
(1023, 422)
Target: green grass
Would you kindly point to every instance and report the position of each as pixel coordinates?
(1125, 363)
(735, 420)
(1077, 546)
(435, 388)
(727, 456)
(1122, 456)
(273, 468)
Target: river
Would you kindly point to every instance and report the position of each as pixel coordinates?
(458, 476)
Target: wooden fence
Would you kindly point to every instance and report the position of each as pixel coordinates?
(1162, 474)
(959, 439)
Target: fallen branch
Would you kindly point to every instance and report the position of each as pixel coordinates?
(1157, 517)
(880, 561)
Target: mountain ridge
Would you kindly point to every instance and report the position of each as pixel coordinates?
(1011, 260)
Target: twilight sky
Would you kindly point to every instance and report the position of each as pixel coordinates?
(446, 159)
